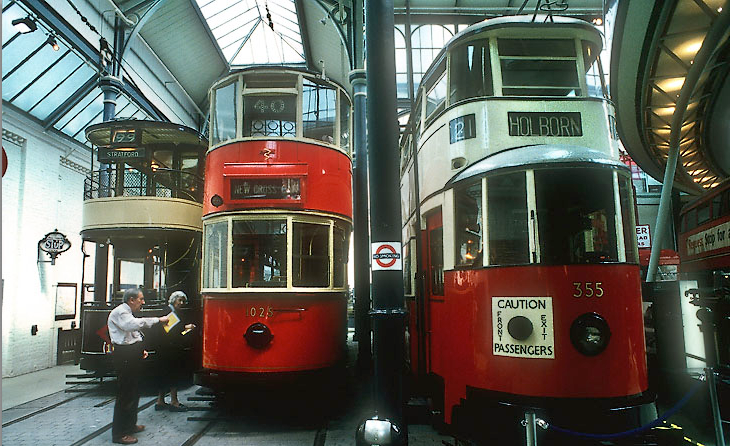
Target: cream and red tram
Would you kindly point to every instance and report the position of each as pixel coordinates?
(531, 287)
(277, 217)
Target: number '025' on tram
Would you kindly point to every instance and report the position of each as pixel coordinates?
(277, 219)
(512, 189)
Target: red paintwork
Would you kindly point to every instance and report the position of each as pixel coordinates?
(303, 340)
(326, 175)
(461, 333)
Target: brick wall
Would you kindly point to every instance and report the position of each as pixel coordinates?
(42, 191)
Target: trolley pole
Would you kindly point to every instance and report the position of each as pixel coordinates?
(387, 426)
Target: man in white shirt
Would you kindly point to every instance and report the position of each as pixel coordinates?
(124, 331)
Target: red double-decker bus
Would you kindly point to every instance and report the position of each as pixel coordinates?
(277, 217)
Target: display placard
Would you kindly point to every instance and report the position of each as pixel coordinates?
(522, 327)
(386, 256)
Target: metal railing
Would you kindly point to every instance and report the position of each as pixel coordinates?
(129, 182)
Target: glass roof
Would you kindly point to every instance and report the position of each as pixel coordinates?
(253, 32)
(58, 87)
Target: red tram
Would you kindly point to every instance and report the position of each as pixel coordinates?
(531, 295)
(704, 234)
(277, 217)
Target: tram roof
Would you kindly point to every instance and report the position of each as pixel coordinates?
(540, 155)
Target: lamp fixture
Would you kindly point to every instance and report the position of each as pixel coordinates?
(53, 42)
(25, 25)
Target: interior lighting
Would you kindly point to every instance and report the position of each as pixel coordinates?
(672, 84)
(597, 21)
(52, 41)
(719, 9)
(25, 25)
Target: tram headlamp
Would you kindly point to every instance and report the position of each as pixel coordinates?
(258, 335)
(216, 200)
(590, 334)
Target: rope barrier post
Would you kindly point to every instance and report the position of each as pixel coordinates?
(715, 403)
(530, 430)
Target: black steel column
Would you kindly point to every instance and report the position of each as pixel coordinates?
(362, 228)
(110, 87)
(387, 284)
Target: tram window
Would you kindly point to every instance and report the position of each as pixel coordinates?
(258, 253)
(691, 219)
(407, 273)
(544, 67)
(576, 216)
(345, 123)
(436, 268)
(224, 121)
(310, 255)
(625, 191)
(436, 98)
(318, 111)
(716, 205)
(270, 115)
(703, 214)
(592, 64)
(468, 221)
(340, 250)
(507, 219)
(470, 72)
(216, 255)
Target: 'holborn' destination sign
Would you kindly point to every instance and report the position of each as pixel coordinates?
(565, 124)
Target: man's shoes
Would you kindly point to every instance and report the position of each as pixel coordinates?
(163, 406)
(125, 439)
(178, 408)
(138, 428)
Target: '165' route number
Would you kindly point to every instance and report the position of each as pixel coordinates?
(588, 290)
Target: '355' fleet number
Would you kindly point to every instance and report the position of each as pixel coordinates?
(587, 290)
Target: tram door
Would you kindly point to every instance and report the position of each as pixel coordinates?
(434, 290)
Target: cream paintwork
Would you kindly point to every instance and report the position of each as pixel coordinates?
(141, 212)
(492, 134)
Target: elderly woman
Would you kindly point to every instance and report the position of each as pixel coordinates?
(172, 356)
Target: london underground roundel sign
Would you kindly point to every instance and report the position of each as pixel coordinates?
(386, 256)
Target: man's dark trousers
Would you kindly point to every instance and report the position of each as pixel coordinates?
(127, 362)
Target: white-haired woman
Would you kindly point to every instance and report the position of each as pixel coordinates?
(172, 356)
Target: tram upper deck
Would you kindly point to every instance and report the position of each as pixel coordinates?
(505, 83)
(264, 103)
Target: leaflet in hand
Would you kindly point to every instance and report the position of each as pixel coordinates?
(174, 320)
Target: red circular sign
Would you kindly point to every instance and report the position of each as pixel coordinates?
(388, 263)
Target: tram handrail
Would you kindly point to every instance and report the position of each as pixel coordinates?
(131, 182)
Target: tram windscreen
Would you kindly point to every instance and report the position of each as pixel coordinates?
(468, 223)
(509, 242)
(539, 67)
(270, 115)
(310, 255)
(258, 253)
(576, 216)
(216, 255)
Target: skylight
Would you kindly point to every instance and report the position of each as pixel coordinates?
(251, 32)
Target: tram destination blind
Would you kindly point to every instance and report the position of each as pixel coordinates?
(567, 124)
(269, 188)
